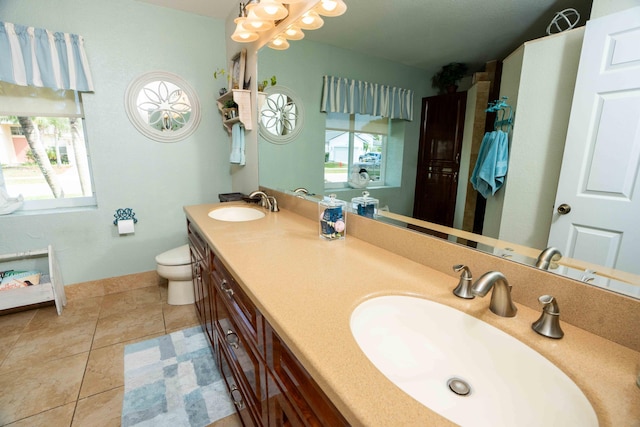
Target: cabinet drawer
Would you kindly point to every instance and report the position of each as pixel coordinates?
(240, 306)
(298, 388)
(198, 245)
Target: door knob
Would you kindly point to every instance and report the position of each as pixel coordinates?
(564, 209)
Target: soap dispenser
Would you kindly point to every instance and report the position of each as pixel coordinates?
(333, 219)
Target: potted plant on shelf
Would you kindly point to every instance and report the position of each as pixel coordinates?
(230, 109)
(262, 85)
(220, 72)
(447, 78)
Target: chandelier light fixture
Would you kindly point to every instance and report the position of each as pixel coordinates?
(310, 21)
(262, 15)
(279, 43)
(243, 34)
(293, 33)
(271, 9)
(255, 23)
(331, 7)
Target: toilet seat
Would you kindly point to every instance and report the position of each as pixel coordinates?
(177, 256)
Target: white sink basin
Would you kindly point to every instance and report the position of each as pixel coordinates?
(421, 345)
(236, 214)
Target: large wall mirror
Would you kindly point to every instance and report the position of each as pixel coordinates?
(162, 106)
(323, 52)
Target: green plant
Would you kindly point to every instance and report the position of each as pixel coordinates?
(219, 72)
(230, 104)
(448, 76)
(262, 85)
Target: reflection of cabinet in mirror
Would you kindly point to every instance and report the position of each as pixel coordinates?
(439, 157)
(243, 99)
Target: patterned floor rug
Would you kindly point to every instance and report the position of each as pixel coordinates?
(173, 381)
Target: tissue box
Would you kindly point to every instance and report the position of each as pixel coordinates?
(365, 205)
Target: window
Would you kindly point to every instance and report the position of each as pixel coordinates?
(43, 150)
(355, 143)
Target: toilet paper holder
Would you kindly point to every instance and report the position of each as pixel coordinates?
(124, 214)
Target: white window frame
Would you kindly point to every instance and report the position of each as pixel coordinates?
(383, 161)
(60, 203)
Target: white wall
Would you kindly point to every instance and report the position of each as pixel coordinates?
(123, 39)
(601, 8)
(538, 79)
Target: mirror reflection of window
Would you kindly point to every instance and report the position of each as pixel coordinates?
(163, 105)
(279, 114)
(357, 142)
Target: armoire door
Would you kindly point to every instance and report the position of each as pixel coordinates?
(441, 129)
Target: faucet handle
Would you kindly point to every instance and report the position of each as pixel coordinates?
(274, 204)
(463, 290)
(548, 324)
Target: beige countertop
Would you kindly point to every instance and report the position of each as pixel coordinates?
(307, 288)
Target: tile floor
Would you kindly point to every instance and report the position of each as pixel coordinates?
(68, 370)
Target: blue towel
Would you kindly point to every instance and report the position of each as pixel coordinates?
(491, 167)
(237, 145)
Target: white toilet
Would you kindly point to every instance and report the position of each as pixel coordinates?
(175, 266)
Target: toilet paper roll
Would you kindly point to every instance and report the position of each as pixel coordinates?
(125, 226)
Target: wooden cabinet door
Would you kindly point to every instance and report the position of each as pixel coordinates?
(298, 400)
(441, 130)
(199, 269)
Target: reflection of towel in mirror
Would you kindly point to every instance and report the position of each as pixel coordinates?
(491, 166)
(237, 145)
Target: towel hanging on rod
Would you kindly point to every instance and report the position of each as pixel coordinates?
(504, 114)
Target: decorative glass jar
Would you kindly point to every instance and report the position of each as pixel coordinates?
(333, 218)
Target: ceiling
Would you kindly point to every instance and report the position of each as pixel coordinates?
(423, 33)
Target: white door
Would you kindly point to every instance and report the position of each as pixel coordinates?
(600, 178)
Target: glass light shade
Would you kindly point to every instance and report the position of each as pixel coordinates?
(279, 43)
(293, 33)
(241, 34)
(254, 23)
(310, 21)
(331, 7)
(270, 9)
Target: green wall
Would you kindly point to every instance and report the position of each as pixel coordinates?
(123, 39)
(300, 163)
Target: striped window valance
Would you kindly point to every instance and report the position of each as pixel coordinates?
(342, 95)
(37, 57)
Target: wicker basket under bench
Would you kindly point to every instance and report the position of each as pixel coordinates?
(50, 288)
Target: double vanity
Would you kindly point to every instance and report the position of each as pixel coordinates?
(348, 332)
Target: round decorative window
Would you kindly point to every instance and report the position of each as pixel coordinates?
(162, 106)
(281, 115)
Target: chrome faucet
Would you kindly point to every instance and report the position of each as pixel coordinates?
(301, 191)
(549, 322)
(548, 257)
(501, 302)
(266, 201)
